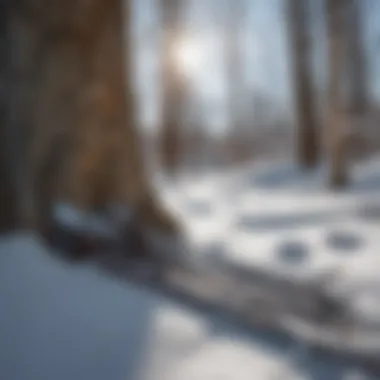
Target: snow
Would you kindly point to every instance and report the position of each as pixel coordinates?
(71, 217)
(274, 217)
(60, 321)
(91, 223)
(73, 322)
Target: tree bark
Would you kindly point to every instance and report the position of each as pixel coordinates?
(337, 122)
(356, 60)
(173, 87)
(308, 146)
(71, 127)
(7, 199)
(233, 18)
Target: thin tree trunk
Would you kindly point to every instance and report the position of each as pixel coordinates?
(233, 58)
(337, 122)
(308, 147)
(234, 16)
(172, 87)
(356, 60)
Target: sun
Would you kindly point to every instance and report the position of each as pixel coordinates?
(188, 56)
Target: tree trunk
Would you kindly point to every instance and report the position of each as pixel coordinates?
(172, 87)
(357, 76)
(71, 123)
(107, 164)
(7, 199)
(234, 16)
(337, 122)
(308, 147)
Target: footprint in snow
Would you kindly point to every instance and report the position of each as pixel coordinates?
(345, 242)
(293, 252)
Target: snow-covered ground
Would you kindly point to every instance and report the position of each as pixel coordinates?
(272, 216)
(59, 321)
(63, 321)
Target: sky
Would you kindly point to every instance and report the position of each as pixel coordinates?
(265, 65)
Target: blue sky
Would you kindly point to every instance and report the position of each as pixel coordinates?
(264, 66)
